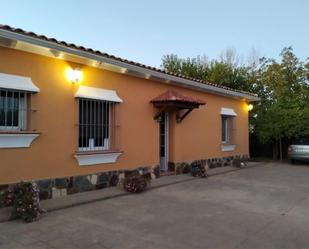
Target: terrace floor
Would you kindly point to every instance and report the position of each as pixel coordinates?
(259, 207)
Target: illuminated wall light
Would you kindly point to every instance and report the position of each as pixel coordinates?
(74, 75)
(123, 70)
(96, 63)
(249, 107)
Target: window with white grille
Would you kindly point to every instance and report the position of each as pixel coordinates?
(95, 124)
(13, 110)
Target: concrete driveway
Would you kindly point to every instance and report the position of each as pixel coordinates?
(261, 207)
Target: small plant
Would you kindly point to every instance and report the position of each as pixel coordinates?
(186, 169)
(237, 163)
(25, 201)
(198, 169)
(113, 181)
(136, 183)
(5, 199)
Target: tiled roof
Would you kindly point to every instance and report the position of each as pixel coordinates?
(173, 96)
(97, 52)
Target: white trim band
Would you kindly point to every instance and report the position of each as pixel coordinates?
(228, 147)
(228, 112)
(17, 140)
(92, 159)
(16, 82)
(97, 93)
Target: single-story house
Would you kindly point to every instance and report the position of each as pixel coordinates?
(67, 111)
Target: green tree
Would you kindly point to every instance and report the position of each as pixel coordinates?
(283, 110)
(224, 72)
(283, 87)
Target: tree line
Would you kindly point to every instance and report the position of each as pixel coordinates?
(282, 85)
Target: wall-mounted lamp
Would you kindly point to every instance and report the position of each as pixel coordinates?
(74, 75)
(250, 107)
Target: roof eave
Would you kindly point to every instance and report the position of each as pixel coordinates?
(130, 69)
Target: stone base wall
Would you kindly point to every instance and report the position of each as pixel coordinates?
(57, 187)
(53, 188)
(185, 167)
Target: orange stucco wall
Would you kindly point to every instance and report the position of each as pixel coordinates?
(51, 154)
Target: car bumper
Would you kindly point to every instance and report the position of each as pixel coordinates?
(301, 157)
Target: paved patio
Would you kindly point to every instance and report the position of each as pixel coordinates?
(259, 207)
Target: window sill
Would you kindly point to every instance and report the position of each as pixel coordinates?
(17, 139)
(85, 158)
(228, 147)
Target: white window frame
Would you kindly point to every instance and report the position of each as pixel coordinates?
(106, 141)
(104, 95)
(17, 136)
(21, 84)
(22, 112)
(91, 146)
(228, 115)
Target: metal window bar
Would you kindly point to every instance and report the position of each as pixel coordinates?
(94, 125)
(112, 127)
(13, 110)
(224, 127)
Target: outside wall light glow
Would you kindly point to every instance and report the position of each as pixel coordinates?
(250, 107)
(74, 75)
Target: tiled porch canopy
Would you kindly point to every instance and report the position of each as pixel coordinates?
(172, 101)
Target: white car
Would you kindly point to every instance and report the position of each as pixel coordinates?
(299, 150)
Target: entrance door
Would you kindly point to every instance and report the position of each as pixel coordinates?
(164, 141)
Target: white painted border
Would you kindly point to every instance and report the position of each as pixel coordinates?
(16, 82)
(17, 140)
(228, 147)
(91, 159)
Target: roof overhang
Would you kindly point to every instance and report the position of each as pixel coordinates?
(172, 96)
(48, 48)
(172, 101)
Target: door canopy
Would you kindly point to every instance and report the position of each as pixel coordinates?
(172, 101)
